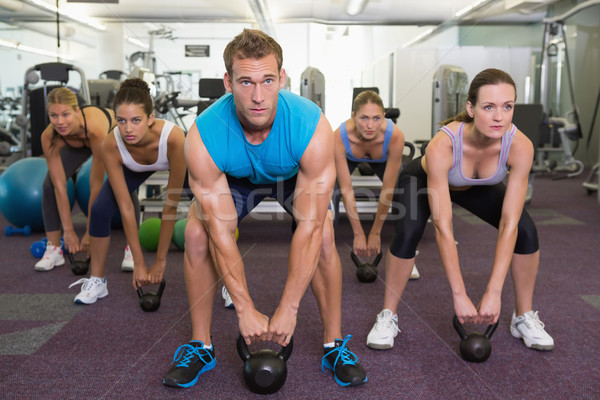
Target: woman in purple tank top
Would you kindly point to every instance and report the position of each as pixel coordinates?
(424, 190)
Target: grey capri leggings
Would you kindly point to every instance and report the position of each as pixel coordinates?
(411, 211)
(72, 158)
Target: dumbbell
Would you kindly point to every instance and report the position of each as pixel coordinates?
(366, 272)
(265, 370)
(79, 267)
(474, 347)
(39, 248)
(11, 230)
(151, 301)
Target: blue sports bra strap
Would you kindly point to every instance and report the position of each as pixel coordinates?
(345, 140)
(388, 136)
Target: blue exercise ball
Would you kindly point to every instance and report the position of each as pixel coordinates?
(82, 190)
(21, 188)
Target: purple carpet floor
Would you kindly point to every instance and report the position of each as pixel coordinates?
(51, 348)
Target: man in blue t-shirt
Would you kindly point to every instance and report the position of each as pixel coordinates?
(258, 141)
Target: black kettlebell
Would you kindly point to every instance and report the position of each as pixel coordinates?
(365, 272)
(151, 301)
(79, 267)
(475, 347)
(264, 370)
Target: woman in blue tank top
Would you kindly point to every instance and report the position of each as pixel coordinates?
(367, 136)
(139, 146)
(465, 164)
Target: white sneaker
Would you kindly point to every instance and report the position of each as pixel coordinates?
(384, 331)
(414, 274)
(92, 289)
(227, 298)
(53, 257)
(127, 264)
(529, 328)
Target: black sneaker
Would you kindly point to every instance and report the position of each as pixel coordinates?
(344, 364)
(189, 362)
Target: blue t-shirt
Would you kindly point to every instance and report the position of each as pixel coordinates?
(275, 159)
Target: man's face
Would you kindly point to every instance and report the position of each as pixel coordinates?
(255, 84)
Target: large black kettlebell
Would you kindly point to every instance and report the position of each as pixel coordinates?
(151, 301)
(79, 267)
(475, 347)
(264, 370)
(365, 272)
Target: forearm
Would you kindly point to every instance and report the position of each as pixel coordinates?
(505, 245)
(228, 263)
(169, 214)
(303, 259)
(94, 190)
(352, 213)
(449, 257)
(383, 208)
(130, 228)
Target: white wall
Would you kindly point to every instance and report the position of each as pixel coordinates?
(348, 56)
(415, 68)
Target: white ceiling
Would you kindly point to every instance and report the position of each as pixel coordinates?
(384, 12)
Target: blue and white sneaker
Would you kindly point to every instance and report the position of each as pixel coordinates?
(189, 362)
(344, 364)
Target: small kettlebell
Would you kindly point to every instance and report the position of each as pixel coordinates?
(475, 347)
(264, 370)
(366, 272)
(151, 301)
(79, 267)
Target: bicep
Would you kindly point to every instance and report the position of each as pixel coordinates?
(316, 176)
(209, 184)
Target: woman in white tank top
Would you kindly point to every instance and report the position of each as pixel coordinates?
(134, 150)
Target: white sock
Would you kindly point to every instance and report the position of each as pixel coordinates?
(330, 344)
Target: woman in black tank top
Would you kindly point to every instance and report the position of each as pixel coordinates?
(81, 134)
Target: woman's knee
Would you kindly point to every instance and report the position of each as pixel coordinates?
(100, 219)
(48, 187)
(405, 241)
(527, 237)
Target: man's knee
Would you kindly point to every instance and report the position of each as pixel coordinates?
(196, 238)
(328, 249)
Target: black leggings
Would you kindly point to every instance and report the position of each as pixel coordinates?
(411, 211)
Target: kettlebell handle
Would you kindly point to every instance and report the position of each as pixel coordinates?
(491, 329)
(286, 351)
(161, 288)
(463, 334)
(459, 328)
(245, 354)
(242, 348)
(358, 262)
(377, 259)
(355, 259)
